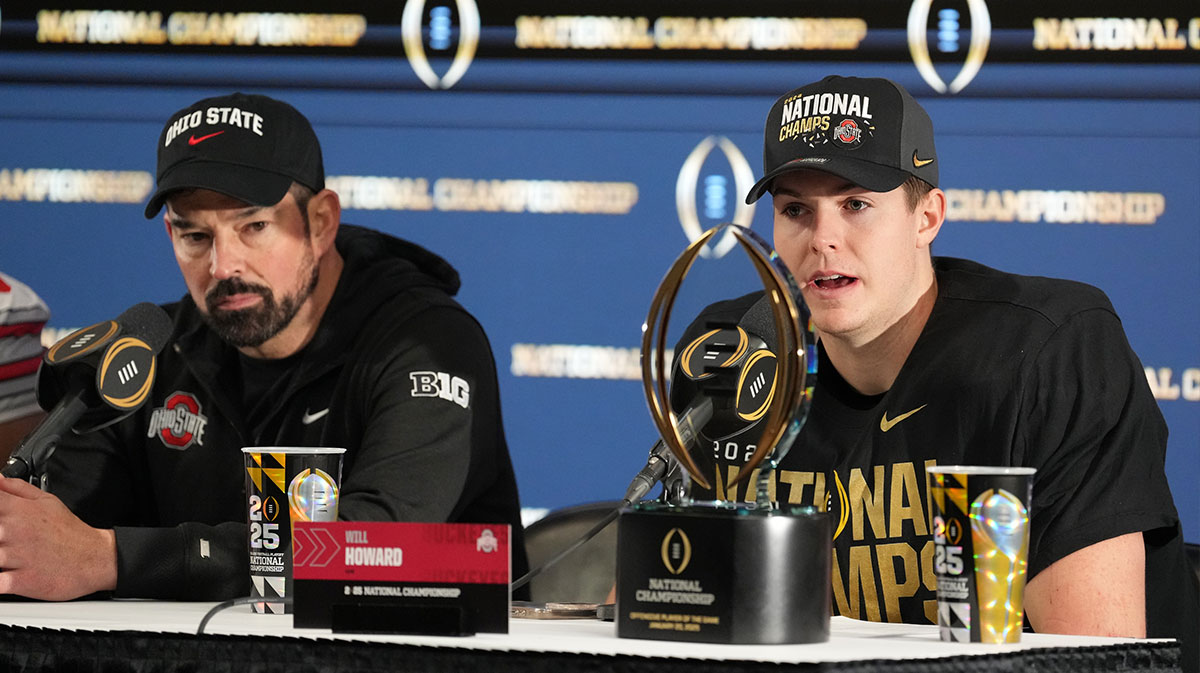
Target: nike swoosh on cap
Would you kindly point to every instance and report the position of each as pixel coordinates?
(920, 162)
(885, 424)
(196, 141)
(310, 417)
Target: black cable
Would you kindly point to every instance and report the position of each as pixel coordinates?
(608, 518)
(224, 605)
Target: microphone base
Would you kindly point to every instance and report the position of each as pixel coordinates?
(724, 574)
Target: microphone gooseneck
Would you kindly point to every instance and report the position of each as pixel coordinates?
(661, 461)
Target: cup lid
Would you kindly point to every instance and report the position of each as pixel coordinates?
(292, 449)
(980, 469)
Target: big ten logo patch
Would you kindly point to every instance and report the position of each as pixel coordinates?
(440, 384)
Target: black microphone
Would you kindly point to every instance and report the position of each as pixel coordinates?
(735, 366)
(662, 462)
(760, 321)
(94, 376)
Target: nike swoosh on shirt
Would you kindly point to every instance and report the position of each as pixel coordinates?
(196, 141)
(311, 417)
(885, 424)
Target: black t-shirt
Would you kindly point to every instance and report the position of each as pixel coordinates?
(260, 376)
(1008, 371)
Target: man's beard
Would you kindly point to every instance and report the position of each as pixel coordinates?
(256, 325)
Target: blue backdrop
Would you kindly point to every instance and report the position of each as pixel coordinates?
(563, 295)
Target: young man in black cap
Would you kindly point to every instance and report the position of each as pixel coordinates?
(928, 360)
(297, 330)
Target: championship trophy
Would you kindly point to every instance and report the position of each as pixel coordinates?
(726, 571)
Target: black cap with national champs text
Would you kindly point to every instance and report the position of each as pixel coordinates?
(247, 146)
(869, 131)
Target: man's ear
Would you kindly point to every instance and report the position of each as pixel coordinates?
(932, 212)
(324, 216)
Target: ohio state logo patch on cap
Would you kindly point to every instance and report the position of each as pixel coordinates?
(178, 423)
(848, 133)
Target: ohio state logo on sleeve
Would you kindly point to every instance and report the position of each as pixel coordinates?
(179, 423)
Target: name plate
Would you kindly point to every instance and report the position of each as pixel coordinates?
(429, 578)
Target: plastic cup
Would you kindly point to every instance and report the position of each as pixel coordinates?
(981, 549)
(285, 484)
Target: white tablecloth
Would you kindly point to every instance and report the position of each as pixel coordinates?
(849, 639)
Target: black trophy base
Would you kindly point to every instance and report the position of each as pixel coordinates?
(724, 574)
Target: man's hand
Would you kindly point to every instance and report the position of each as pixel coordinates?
(47, 552)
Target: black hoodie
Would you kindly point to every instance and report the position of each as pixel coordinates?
(170, 479)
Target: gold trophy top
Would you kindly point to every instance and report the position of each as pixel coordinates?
(794, 374)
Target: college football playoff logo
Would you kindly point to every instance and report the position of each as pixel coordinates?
(412, 27)
(837, 503)
(948, 30)
(717, 195)
(676, 551)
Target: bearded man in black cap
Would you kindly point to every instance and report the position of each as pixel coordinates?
(930, 360)
(297, 330)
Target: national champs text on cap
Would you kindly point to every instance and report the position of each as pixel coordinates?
(869, 131)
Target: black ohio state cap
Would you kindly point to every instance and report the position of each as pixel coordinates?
(869, 131)
(247, 146)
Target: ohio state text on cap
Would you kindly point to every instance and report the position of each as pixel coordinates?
(247, 146)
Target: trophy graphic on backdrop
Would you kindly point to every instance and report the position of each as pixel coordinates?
(723, 571)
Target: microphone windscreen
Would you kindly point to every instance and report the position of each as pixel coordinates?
(148, 322)
(760, 322)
